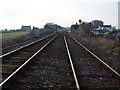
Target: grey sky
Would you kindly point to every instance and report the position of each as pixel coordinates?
(15, 13)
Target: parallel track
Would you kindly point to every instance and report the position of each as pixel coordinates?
(71, 63)
(13, 59)
(54, 67)
(24, 46)
(62, 63)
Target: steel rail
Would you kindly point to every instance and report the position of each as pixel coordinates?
(109, 67)
(24, 46)
(19, 68)
(71, 63)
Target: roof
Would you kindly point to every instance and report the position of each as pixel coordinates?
(26, 26)
(106, 26)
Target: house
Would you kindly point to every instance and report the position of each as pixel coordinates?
(103, 30)
(26, 28)
(96, 23)
(36, 31)
(107, 28)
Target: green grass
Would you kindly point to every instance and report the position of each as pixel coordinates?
(12, 35)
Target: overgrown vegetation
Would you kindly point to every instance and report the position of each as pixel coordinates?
(84, 30)
(103, 42)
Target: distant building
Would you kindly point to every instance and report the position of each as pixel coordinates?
(107, 28)
(36, 32)
(26, 28)
(103, 29)
(97, 23)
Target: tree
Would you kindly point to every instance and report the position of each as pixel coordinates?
(86, 27)
(74, 26)
(48, 25)
(76, 23)
(80, 21)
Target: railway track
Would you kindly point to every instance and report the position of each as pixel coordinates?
(62, 63)
(91, 71)
(17, 45)
(48, 69)
(11, 49)
(13, 59)
(112, 59)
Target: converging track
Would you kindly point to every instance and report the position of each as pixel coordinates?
(57, 63)
(13, 59)
(91, 71)
(48, 69)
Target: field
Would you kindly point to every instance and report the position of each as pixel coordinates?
(12, 35)
(11, 38)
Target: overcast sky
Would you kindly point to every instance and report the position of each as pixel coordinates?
(15, 13)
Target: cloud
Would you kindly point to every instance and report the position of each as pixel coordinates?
(14, 13)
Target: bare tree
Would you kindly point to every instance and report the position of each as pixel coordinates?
(80, 21)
